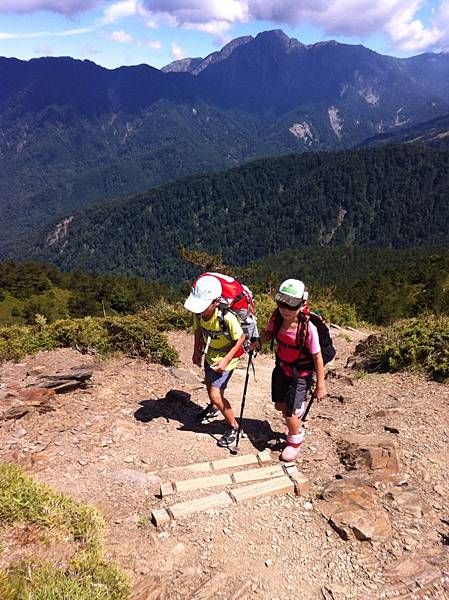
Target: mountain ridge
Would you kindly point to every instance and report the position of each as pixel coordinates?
(73, 134)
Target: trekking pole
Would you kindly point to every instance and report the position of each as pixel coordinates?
(242, 407)
(309, 406)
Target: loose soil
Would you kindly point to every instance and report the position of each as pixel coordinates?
(111, 445)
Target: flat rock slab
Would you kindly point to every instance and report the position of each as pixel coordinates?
(368, 452)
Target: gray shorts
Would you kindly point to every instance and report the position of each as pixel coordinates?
(285, 390)
(218, 380)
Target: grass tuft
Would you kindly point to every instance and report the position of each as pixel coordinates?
(88, 576)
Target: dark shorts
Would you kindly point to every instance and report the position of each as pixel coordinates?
(285, 390)
(218, 380)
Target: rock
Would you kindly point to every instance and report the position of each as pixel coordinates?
(391, 429)
(412, 571)
(367, 452)
(364, 524)
(406, 501)
(350, 492)
(19, 402)
(350, 507)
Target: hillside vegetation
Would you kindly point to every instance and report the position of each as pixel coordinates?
(390, 197)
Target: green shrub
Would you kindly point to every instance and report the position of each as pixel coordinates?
(420, 344)
(167, 316)
(84, 334)
(137, 337)
(132, 335)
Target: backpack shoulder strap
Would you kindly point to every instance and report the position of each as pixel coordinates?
(276, 326)
(302, 333)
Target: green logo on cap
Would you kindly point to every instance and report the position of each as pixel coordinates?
(289, 289)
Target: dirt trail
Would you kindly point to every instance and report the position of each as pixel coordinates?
(109, 445)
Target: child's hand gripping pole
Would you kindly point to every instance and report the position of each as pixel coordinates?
(235, 449)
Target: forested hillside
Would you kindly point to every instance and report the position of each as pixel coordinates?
(29, 289)
(431, 133)
(73, 133)
(391, 197)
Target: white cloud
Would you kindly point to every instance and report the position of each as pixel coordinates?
(66, 7)
(214, 27)
(38, 34)
(119, 10)
(120, 36)
(177, 52)
(396, 18)
(409, 33)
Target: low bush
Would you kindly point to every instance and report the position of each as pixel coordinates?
(420, 344)
(133, 335)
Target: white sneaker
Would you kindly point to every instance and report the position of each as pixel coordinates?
(294, 442)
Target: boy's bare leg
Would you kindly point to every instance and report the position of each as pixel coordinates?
(217, 398)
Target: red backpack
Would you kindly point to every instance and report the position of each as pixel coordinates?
(238, 299)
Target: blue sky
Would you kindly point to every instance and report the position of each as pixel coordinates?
(125, 32)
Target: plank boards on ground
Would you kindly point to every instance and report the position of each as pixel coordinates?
(227, 463)
(223, 479)
(278, 485)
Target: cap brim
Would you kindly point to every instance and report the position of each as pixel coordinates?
(196, 305)
(286, 299)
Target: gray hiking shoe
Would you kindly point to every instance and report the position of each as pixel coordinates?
(229, 438)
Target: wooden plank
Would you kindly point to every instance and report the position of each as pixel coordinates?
(258, 474)
(264, 457)
(301, 483)
(203, 482)
(188, 485)
(225, 463)
(160, 516)
(244, 459)
(272, 487)
(192, 506)
(235, 461)
(166, 489)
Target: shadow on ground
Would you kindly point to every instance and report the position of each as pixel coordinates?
(177, 405)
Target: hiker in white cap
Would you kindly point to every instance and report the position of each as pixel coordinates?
(220, 350)
(298, 358)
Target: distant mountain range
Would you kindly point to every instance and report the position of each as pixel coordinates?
(386, 197)
(73, 133)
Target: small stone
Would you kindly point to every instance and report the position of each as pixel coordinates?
(268, 562)
(82, 462)
(308, 506)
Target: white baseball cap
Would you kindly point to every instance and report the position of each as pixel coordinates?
(292, 292)
(204, 292)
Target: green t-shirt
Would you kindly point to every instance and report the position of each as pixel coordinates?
(219, 344)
